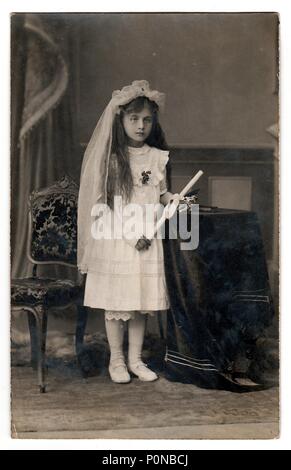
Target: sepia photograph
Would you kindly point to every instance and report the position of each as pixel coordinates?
(144, 201)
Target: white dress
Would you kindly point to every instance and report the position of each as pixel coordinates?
(124, 279)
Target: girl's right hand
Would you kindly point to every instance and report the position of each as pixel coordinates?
(143, 244)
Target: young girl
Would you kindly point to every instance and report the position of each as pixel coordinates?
(126, 157)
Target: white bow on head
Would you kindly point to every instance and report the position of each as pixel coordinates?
(136, 89)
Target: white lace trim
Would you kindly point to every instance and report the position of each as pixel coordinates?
(139, 150)
(125, 315)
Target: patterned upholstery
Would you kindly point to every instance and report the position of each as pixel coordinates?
(42, 291)
(54, 225)
(52, 240)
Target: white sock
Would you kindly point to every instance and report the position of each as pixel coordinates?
(136, 330)
(115, 334)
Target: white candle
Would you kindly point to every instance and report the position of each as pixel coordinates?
(169, 210)
(191, 183)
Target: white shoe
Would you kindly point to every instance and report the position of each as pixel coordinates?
(142, 371)
(118, 372)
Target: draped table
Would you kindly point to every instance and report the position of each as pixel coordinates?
(220, 301)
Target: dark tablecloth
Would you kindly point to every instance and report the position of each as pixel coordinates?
(220, 301)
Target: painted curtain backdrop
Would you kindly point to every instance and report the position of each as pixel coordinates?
(42, 118)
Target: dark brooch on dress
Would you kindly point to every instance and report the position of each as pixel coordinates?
(145, 176)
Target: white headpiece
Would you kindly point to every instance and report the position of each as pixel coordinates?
(94, 173)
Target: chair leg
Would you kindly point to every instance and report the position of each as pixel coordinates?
(82, 316)
(33, 339)
(40, 314)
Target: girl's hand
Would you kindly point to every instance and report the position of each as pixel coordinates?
(172, 205)
(169, 197)
(175, 198)
(143, 244)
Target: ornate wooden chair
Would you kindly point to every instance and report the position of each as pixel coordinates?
(52, 240)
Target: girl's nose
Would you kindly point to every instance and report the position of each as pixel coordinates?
(140, 124)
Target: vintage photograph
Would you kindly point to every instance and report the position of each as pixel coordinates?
(144, 225)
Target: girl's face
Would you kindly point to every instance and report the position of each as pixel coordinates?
(138, 126)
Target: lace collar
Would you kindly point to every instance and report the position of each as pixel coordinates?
(139, 150)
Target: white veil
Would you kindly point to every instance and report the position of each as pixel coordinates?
(94, 172)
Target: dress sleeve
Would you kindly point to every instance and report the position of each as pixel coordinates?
(164, 157)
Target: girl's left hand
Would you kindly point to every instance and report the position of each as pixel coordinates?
(176, 199)
(173, 204)
(143, 244)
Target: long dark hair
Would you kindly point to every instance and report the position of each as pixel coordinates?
(119, 176)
